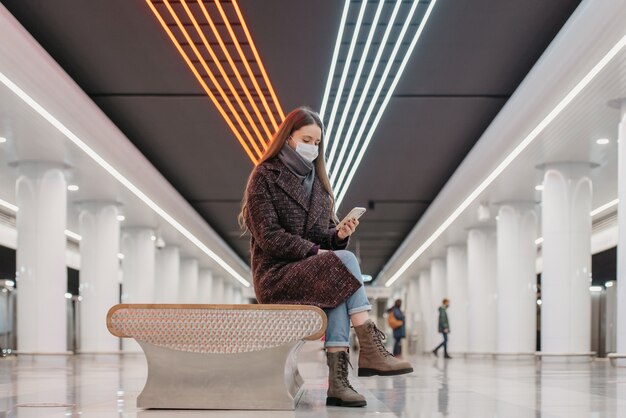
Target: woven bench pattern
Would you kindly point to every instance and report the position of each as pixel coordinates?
(210, 330)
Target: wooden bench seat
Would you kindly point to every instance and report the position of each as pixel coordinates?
(219, 356)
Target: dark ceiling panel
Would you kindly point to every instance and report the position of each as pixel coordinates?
(111, 46)
(188, 142)
(482, 47)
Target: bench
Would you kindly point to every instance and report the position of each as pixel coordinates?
(219, 356)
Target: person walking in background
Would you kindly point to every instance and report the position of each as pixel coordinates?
(444, 329)
(396, 321)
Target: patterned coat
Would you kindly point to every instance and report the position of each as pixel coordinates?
(285, 226)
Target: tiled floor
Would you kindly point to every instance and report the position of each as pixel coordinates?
(107, 386)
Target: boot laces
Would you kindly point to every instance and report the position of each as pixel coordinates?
(379, 337)
(343, 370)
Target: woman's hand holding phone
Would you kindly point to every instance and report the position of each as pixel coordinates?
(347, 229)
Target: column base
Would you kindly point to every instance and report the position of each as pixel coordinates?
(617, 359)
(38, 353)
(479, 356)
(514, 356)
(560, 358)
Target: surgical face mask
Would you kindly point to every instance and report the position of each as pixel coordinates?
(307, 151)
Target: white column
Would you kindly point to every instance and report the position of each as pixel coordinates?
(481, 290)
(456, 266)
(138, 271)
(438, 288)
(205, 286)
(428, 312)
(99, 265)
(188, 288)
(218, 290)
(228, 292)
(566, 253)
(41, 191)
(438, 280)
(517, 280)
(412, 306)
(238, 296)
(167, 275)
(621, 246)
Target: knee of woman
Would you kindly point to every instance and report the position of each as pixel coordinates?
(346, 256)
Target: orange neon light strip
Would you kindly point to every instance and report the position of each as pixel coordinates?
(236, 71)
(203, 83)
(258, 60)
(219, 66)
(201, 70)
(212, 77)
(245, 61)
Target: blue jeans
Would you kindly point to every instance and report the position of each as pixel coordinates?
(338, 329)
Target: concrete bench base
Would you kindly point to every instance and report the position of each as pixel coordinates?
(267, 379)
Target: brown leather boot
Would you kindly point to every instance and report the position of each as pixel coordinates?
(374, 359)
(340, 392)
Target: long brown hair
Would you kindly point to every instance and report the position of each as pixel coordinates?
(295, 120)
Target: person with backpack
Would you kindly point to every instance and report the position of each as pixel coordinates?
(395, 318)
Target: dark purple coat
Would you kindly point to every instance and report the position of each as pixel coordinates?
(285, 226)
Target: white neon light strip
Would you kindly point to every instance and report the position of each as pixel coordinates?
(73, 235)
(355, 83)
(374, 99)
(343, 188)
(118, 176)
(366, 89)
(333, 63)
(8, 206)
(344, 75)
(593, 213)
(511, 157)
(604, 207)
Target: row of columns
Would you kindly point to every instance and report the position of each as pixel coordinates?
(147, 275)
(491, 280)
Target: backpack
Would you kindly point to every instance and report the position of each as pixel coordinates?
(393, 321)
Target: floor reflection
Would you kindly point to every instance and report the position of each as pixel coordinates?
(107, 386)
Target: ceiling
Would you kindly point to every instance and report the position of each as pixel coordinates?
(468, 62)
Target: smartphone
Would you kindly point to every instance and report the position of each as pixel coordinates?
(355, 213)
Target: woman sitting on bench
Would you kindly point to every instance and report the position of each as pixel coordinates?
(298, 254)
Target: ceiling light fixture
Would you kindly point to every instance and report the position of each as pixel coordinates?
(344, 73)
(8, 206)
(603, 141)
(73, 188)
(73, 235)
(355, 84)
(556, 111)
(333, 63)
(247, 132)
(604, 207)
(539, 187)
(2, 140)
(258, 61)
(121, 218)
(351, 164)
(119, 177)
